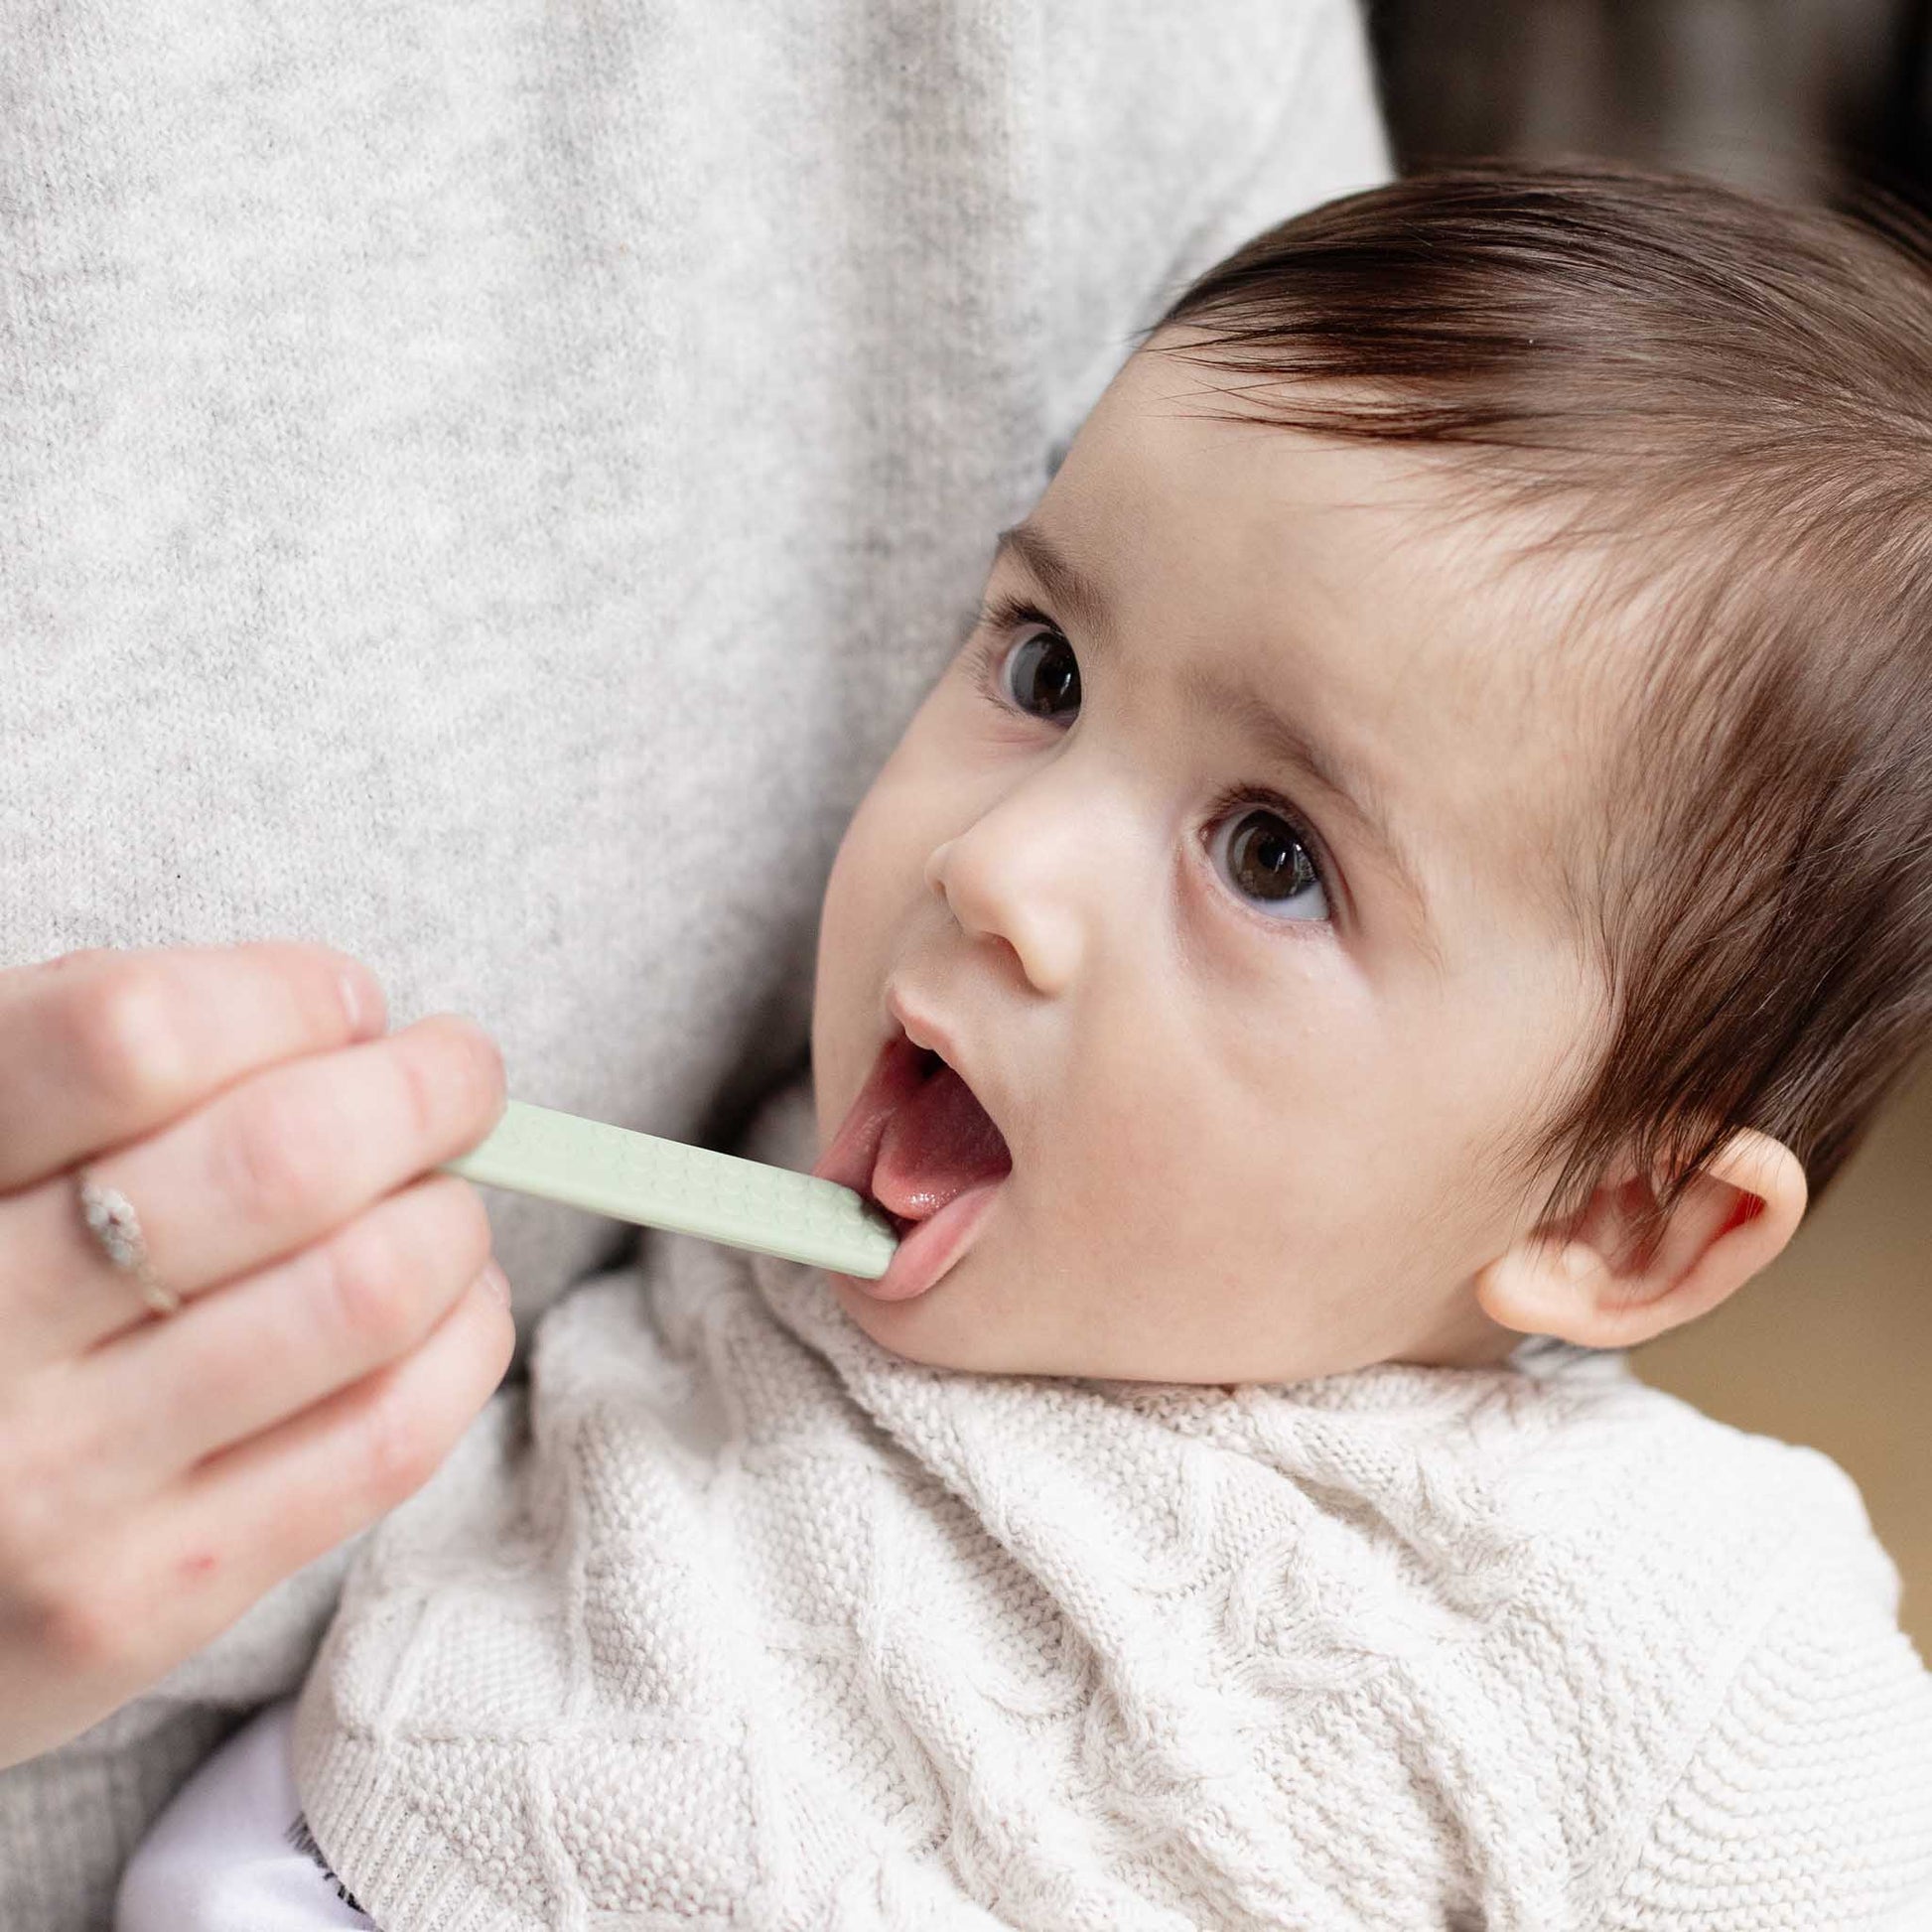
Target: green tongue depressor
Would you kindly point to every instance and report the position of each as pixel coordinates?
(661, 1183)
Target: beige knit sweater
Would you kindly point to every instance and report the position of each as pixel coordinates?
(737, 1619)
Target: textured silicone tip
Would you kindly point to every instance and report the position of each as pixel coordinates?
(661, 1183)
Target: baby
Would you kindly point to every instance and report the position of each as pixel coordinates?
(1420, 872)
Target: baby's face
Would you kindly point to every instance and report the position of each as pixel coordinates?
(1252, 1080)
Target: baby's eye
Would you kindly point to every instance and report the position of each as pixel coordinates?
(1042, 675)
(1269, 863)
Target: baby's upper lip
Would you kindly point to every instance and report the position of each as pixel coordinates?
(922, 1030)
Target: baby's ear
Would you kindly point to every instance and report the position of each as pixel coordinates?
(1585, 1283)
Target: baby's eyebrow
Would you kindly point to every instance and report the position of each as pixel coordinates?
(1064, 583)
(1351, 791)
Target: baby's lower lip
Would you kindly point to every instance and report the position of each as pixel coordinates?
(930, 1247)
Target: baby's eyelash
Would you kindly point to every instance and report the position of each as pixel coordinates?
(1000, 615)
(1005, 612)
(981, 666)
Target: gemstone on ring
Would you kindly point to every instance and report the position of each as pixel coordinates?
(114, 1224)
(112, 1216)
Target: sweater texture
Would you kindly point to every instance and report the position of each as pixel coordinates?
(486, 486)
(733, 1617)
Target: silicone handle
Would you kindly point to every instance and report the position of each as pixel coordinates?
(669, 1184)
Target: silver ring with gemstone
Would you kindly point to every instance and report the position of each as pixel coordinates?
(116, 1228)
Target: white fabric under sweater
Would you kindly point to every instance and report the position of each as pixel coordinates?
(231, 1852)
(735, 1618)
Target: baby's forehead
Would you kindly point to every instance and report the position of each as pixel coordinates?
(1526, 713)
(1474, 677)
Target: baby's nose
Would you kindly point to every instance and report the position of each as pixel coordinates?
(998, 889)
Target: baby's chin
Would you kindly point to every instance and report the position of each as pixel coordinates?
(991, 1319)
(1008, 1306)
(963, 1321)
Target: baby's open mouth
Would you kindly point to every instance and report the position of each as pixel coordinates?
(917, 1143)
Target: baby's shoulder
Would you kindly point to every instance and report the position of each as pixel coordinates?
(1621, 1481)
(1721, 1623)
(1676, 1465)
(1660, 1546)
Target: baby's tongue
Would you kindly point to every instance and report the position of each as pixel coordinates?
(937, 1145)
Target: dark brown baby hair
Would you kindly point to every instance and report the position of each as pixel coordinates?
(1735, 397)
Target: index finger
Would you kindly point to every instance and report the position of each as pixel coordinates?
(104, 1045)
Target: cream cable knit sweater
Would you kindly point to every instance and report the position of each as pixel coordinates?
(739, 1619)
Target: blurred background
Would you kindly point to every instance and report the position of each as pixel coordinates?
(1832, 1344)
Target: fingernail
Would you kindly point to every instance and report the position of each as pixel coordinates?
(494, 1280)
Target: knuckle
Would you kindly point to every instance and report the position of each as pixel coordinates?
(389, 1271)
(126, 1035)
(76, 1630)
(43, 1594)
(398, 1451)
(365, 1274)
(468, 1070)
(421, 1072)
(463, 1224)
(274, 1147)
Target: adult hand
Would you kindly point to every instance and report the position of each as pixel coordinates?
(338, 1326)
